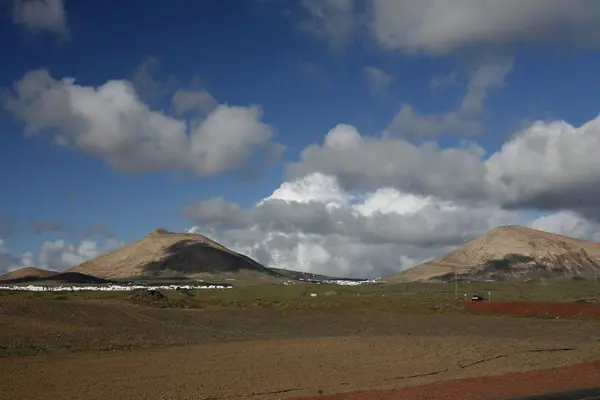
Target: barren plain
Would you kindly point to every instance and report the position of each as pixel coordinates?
(96, 347)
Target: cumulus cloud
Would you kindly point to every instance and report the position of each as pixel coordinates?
(367, 163)
(9, 261)
(568, 223)
(411, 123)
(548, 166)
(440, 26)
(111, 121)
(377, 79)
(218, 213)
(60, 254)
(312, 224)
(466, 119)
(57, 255)
(184, 100)
(39, 16)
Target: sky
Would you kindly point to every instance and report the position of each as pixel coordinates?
(344, 137)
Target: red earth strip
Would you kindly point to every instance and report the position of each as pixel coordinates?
(530, 309)
(508, 386)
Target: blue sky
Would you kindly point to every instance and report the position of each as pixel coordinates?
(308, 72)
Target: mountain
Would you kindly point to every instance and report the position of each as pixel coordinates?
(510, 253)
(27, 273)
(61, 278)
(166, 254)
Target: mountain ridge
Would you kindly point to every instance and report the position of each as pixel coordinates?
(162, 252)
(510, 252)
(27, 272)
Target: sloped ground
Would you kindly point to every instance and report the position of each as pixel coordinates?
(262, 353)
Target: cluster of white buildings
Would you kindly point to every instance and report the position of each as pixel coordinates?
(340, 282)
(123, 288)
(108, 288)
(348, 283)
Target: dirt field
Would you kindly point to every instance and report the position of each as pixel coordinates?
(93, 349)
(575, 382)
(533, 309)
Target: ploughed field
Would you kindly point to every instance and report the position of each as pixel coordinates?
(91, 347)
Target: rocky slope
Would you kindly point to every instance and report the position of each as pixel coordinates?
(163, 253)
(27, 273)
(511, 253)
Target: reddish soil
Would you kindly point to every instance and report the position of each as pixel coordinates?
(518, 384)
(532, 309)
(265, 354)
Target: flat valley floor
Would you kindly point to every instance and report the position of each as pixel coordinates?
(75, 349)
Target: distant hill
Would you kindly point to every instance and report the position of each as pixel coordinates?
(27, 273)
(163, 256)
(510, 253)
(308, 276)
(62, 278)
(163, 253)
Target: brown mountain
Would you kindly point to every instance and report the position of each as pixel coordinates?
(27, 273)
(511, 252)
(163, 253)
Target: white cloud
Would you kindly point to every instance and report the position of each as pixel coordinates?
(192, 100)
(342, 233)
(569, 224)
(38, 16)
(411, 123)
(377, 79)
(313, 224)
(313, 188)
(466, 119)
(368, 163)
(57, 255)
(11, 262)
(548, 166)
(111, 122)
(60, 255)
(441, 26)
(8, 261)
(28, 260)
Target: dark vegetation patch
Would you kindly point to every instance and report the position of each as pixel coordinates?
(61, 278)
(190, 256)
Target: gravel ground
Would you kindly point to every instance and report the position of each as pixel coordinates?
(266, 354)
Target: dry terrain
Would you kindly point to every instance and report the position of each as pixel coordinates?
(178, 254)
(73, 348)
(511, 253)
(26, 273)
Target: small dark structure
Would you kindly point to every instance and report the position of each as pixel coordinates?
(477, 297)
